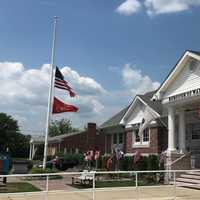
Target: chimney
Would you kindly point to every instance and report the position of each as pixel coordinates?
(91, 133)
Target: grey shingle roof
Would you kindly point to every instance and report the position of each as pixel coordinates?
(60, 137)
(195, 52)
(115, 120)
(155, 105)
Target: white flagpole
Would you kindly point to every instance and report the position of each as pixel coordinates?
(50, 99)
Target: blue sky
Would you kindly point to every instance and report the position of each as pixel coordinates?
(109, 42)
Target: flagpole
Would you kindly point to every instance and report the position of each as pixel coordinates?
(50, 98)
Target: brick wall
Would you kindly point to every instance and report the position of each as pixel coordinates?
(84, 141)
(158, 142)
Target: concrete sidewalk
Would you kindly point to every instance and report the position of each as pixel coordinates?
(145, 193)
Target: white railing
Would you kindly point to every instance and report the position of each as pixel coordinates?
(93, 189)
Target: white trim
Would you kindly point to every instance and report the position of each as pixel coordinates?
(140, 144)
(132, 106)
(174, 73)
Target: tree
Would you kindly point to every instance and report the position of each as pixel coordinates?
(59, 127)
(11, 139)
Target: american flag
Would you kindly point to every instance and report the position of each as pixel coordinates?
(62, 84)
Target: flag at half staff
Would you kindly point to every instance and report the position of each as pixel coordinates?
(60, 107)
(62, 84)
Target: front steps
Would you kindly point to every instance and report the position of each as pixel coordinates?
(189, 180)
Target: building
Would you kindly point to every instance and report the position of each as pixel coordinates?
(77, 142)
(176, 125)
(175, 128)
(123, 128)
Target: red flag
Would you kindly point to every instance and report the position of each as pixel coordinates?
(60, 107)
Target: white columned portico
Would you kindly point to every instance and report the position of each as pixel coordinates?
(171, 130)
(182, 130)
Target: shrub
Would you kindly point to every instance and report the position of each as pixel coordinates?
(153, 162)
(70, 160)
(126, 163)
(38, 170)
(30, 164)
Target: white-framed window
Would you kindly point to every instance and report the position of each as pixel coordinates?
(118, 138)
(115, 138)
(143, 140)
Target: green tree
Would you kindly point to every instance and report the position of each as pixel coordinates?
(11, 139)
(59, 127)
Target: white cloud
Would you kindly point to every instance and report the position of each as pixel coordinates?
(155, 7)
(129, 7)
(81, 83)
(24, 94)
(136, 82)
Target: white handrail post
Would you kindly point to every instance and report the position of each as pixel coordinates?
(174, 184)
(136, 185)
(93, 186)
(47, 183)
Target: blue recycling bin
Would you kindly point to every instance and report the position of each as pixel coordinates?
(4, 165)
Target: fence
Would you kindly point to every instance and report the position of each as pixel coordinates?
(100, 185)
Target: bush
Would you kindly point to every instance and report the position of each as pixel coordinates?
(102, 162)
(150, 162)
(30, 164)
(70, 160)
(126, 163)
(153, 162)
(37, 170)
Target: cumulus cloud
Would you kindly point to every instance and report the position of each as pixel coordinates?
(81, 83)
(136, 82)
(129, 7)
(24, 93)
(156, 7)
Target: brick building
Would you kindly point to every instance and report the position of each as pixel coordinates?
(175, 127)
(123, 128)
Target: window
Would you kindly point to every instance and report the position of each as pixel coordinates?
(137, 137)
(146, 135)
(120, 138)
(115, 138)
(196, 135)
(144, 138)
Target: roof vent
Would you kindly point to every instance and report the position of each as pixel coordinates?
(193, 65)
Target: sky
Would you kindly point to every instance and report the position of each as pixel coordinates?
(108, 51)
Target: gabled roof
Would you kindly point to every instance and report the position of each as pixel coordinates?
(175, 69)
(115, 120)
(146, 98)
(60, 137)
(40, 139)
(155, 105)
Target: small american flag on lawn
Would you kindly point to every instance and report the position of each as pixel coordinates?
(62, 84)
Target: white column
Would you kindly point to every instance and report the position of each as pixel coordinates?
(30, 152)
(171, 129)
(182, 146)
(33, 150)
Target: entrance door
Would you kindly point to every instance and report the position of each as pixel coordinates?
(193, 140)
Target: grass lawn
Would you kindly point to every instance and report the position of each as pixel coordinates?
(113, 183)
(18, 187)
